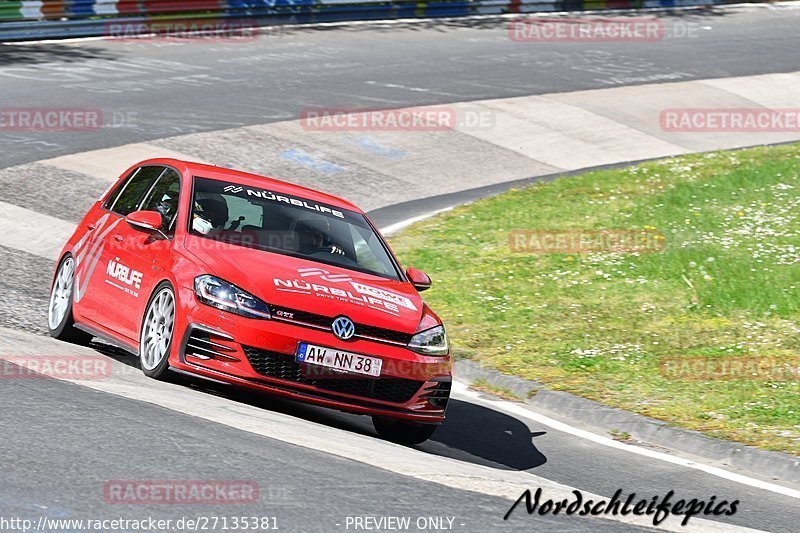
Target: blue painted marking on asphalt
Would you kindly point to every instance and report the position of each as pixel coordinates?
(307, 160)
(383, 151)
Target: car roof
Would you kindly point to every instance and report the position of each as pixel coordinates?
(253, 180)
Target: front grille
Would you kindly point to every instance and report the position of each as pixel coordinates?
(301, 316)
(383, 334)
(324, 322)
(284, 367)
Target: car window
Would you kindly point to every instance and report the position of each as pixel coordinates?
(132, 191)
(367, 248)
(288, 225)
(163, 198)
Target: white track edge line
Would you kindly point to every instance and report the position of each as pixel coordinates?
(520, 411)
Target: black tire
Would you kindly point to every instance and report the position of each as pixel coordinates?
(160, 370)
(65, 330)
(402, 432)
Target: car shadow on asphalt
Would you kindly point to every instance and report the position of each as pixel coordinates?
(472, 433)
(480, 435)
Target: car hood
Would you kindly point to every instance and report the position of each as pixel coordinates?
(310, 286)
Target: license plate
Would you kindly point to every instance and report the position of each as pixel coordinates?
(312, 354)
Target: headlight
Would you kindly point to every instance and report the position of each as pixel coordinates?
(430, 342)
(228, 297)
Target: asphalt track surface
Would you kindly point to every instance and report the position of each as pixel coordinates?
(156, 89)
(62, 442)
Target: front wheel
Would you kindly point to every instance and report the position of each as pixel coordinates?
(60, 321)
(157, 328)
(402, 432)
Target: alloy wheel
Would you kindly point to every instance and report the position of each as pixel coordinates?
(61, 293)
(157, 330)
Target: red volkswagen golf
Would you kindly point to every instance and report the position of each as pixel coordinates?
(258, 283)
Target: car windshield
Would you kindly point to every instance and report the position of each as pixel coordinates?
(290, 225)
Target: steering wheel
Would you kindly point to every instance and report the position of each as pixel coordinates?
(320, 250)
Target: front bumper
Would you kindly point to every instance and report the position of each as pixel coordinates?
(260, 355)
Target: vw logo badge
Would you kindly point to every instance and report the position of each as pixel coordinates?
(343, 327)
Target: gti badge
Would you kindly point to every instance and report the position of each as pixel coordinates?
(343, 327)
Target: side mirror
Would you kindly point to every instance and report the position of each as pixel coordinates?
(419, 279)
(145, 220)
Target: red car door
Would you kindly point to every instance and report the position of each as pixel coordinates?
(87, 253)
(134, 257)
(97, 296)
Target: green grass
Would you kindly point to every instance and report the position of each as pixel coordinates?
(600, 324)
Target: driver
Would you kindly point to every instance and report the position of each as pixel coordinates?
(313, 235)
(168, 207)
(201, 221)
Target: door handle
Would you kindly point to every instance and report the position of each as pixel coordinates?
(119, 238)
